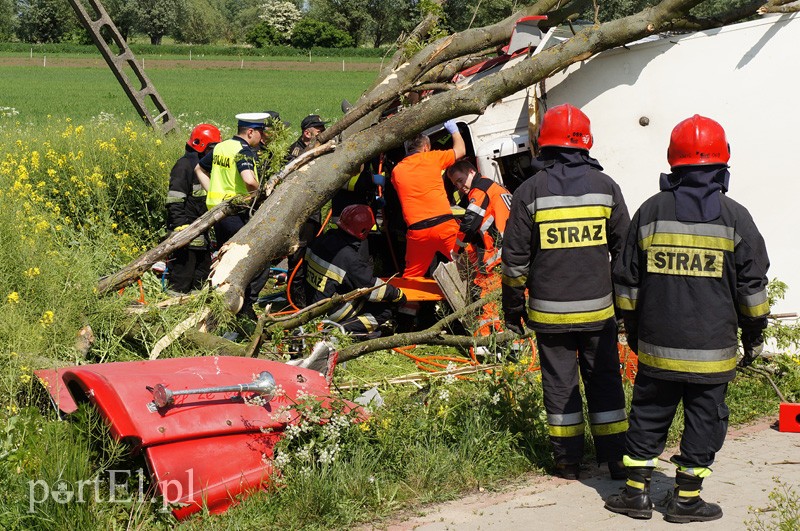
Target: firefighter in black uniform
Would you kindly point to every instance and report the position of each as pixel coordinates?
(311, 126)
(564, 222)
(694, 268)
(335, 265)
(186, 201)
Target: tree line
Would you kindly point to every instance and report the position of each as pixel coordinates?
(297, 23)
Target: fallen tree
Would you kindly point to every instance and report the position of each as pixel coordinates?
(359, 136)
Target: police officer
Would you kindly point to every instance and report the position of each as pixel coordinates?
(231, 169)
(311, 126)
(694, 267)
(186, 201)
(335, 264)
(564, 222)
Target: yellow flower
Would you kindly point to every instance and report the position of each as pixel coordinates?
(24, 378)
(13, 297)
(47, 318)
(32, 272)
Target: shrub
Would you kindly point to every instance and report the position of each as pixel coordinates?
(309, 33)
(262, 34)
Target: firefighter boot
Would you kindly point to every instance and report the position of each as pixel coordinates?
(686, 504)
(634, 499)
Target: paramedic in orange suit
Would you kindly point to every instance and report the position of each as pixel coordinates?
(426, 209)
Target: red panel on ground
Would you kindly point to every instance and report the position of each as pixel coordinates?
(204, 448)
(789, 419)
(119, 390)
(213, 471)
(51, 380)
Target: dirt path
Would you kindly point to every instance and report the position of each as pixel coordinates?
(743, 477)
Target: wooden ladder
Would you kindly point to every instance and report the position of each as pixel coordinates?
(134, 81)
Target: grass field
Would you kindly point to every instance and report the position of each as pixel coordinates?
(196, 91)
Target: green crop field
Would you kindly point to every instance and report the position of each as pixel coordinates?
(32, 91)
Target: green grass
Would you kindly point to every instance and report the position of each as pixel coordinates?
(192, 95)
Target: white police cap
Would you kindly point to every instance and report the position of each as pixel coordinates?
(256, 120)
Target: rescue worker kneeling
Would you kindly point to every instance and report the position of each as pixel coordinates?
(334, 264)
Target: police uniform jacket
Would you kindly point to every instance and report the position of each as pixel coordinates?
(295, 150)
(225, 164)
(485, 219)
(686, 286)
(334, 265)
(557, 246)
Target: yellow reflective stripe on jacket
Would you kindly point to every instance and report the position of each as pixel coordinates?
(687, 360)
(514, 282)
(351, 183)
(570, 312)
(754, 305)
(571, 318)
(570, 213)
(626, 297)
(687, 240)
(716, 234)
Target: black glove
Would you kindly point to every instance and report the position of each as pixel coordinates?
(514, 322)
(753, 345)
(402, 300)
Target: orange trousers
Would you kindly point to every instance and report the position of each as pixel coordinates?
(422, 244)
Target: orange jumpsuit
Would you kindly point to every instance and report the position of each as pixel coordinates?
(426, 210)
(481, 233)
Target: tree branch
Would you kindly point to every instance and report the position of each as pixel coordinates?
(176, 240)
(435, 335)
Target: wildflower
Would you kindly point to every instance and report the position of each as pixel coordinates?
(282, 459)
(304, 454)
(47, 318)
(495, 398)
(32, 272)
(13, 297)
(444, 395)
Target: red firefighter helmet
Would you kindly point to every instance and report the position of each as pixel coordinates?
(357, 220)
(566, 126)
(698, 140)
(202, 136)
